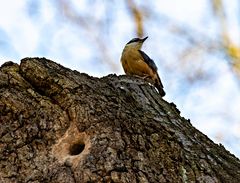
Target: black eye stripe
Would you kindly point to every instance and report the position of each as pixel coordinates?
(134, 40)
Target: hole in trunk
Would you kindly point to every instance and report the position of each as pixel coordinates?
(76, 148)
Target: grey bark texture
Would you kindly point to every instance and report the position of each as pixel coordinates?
(59, 125)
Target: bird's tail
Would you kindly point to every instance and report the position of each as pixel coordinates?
(158, 84)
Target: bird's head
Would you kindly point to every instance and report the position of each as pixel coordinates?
(136, 43)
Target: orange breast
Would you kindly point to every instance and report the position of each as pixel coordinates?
(133, 64)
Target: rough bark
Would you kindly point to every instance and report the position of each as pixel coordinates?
(59, 125)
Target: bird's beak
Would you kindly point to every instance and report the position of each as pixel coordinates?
(144, 39)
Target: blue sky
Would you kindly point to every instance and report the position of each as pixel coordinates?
(37, 28)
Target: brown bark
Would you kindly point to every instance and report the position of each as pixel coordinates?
(58, 125)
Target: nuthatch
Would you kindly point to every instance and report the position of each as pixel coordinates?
(136, 62)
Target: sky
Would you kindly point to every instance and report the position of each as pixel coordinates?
(37, 29)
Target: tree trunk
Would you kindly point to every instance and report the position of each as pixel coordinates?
(59, 125)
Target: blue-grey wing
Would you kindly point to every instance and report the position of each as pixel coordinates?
(148, 60)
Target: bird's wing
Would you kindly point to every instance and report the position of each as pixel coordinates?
(158, 84)
(148, 60)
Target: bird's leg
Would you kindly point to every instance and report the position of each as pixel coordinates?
(137, 76)
(146, 77)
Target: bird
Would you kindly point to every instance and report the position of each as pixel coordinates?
(137, 63)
